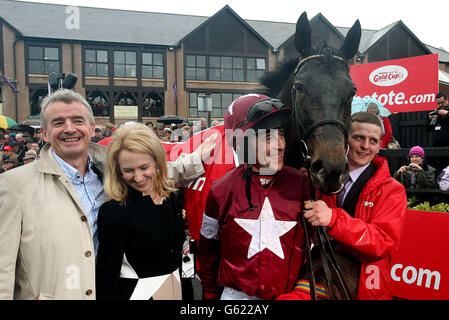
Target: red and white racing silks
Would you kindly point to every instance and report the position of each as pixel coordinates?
(259, 252)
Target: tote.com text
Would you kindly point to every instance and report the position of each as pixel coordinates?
(399, 98)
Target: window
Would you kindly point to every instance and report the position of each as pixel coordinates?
(220, 103)
(96, 63)
(152, 65)
(36, 96)
(222, 68)
(255, 69)
(125, 64)
(195, 67)
(43, 60)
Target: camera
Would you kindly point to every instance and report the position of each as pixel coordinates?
(434, 119)
(408, 168)
(60, 80)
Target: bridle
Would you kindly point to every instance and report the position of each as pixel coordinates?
(325, 247)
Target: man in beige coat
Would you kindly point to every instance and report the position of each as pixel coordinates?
(47, 243)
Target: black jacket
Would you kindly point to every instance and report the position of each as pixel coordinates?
(151, 236)
(440, 131)
(425, 178)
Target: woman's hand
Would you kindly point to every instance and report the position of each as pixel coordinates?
(206, 148)
(402, 170)
(415, 167)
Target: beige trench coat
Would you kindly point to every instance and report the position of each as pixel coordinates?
(46, 246)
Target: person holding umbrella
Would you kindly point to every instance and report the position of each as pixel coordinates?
(384, 121)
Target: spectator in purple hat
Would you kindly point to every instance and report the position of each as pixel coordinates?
(417, 174)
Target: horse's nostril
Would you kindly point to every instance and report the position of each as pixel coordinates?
(321, 175)
(318, 171)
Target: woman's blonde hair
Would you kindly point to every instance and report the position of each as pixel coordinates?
(135, 138)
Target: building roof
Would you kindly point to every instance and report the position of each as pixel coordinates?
(163, 29)
(443, 77)
(98, 24)
(443, 56)
(276, 33)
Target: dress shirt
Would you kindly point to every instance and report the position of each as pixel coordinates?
(90, 191)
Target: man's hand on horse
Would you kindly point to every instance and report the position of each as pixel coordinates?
(318, 213)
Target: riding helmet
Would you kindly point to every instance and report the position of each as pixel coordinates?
(256, 111)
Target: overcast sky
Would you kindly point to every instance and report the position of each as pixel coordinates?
(428, 20)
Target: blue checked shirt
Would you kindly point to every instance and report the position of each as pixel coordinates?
(90, 191)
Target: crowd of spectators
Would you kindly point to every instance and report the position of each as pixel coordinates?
(17, 149)
(179, 132)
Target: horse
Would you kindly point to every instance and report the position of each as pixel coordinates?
(320, 91)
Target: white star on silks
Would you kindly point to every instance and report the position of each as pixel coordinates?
(266, 231)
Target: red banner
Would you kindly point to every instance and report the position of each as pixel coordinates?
(420, 268)
(402, 85)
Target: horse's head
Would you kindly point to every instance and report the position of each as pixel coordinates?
(320, 90)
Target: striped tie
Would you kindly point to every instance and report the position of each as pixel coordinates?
(341, 195)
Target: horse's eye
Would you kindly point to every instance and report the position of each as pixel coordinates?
(299, 87)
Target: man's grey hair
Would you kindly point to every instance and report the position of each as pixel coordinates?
(66, 96)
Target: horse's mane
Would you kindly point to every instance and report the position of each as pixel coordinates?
(274, 81)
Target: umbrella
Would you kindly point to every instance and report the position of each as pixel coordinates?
(14, 127)
(22, 128)
(32, 122)
(360, 104)
(6, 122)
(171, 119)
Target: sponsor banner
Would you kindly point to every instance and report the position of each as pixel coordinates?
(402, 85)
(420, 268)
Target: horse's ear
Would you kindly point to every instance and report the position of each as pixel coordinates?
(352, 41)
(303, 35)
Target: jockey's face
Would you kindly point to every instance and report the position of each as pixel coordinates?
(270, 149)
